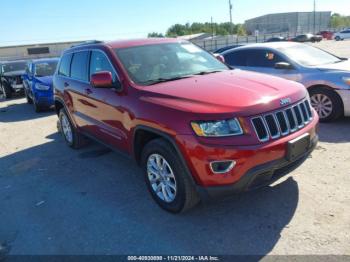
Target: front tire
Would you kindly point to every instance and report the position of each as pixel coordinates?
(70, 134)
(37, 107)
(327, 104)
(337, 38)
(6, 91)
(29, 100)
(167, 179)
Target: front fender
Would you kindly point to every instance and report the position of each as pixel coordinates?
(330, 79)
(320, 83)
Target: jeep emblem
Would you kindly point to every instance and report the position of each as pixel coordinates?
(285, 101)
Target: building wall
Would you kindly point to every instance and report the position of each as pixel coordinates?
(301, 22)
(22, 52)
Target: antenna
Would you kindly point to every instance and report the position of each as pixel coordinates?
(231, 25)
(314, 17)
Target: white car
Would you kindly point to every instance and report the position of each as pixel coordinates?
(345, 34)
(327, 77)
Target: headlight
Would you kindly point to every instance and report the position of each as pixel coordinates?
(346, 80)
(42, 87)
(230, 127)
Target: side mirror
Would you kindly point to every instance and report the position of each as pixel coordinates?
(283, 65)
(103, 79)
(220, 58)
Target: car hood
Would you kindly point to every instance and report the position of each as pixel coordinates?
(46, 80)
(341, 66)
(242, 92)
(15, 73)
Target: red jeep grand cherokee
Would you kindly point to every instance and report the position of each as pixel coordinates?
(197, 127)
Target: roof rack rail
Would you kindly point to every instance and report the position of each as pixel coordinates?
(89, 42)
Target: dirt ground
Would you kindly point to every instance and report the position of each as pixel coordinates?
(57, 200)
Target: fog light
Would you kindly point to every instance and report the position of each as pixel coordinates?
(221, 167)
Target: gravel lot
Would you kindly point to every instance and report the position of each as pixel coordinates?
(341, 48)
(55, 200)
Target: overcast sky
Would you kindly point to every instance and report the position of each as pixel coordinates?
(37, 21)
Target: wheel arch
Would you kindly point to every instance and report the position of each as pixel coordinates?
(328, 88)
(59, 104)
(314, 87)
(144, 134)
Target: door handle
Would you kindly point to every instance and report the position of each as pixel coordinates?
(66, 84)
(88, 91)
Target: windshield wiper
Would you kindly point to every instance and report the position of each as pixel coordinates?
(160, 80)
(208, 72)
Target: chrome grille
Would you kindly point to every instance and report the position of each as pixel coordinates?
(283, 122)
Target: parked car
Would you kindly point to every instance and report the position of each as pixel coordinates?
(276, 39)
(196, 127)
(345, 34)
(11, 77)
(326, 34)
(38, 83)
(223, 49)
(326, 76)
(307, 38)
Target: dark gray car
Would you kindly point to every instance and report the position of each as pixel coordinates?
(11, 78)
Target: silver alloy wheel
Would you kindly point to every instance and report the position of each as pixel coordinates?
(161, 178)
(66, 128)
(322, 104)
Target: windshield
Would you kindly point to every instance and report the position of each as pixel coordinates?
(309, 56)
(150, 64)
(19, 66)
(45, 68)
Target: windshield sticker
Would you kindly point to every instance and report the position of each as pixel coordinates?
(191, 48)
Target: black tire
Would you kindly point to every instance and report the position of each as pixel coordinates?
(7, 92)
(37, 107)
(337, 38)
(186, 196)
(78, 140)
(337, 103)
(29, 100)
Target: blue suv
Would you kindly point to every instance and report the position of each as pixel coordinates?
(38, 82)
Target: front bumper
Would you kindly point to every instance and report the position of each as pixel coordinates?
(259, 176)
(17, 87)
(252, 161)
(44, 98)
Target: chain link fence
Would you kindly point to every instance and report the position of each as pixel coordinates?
(214, 43)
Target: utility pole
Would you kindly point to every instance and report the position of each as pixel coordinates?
(231, 24)
(314, 17)
(212, 27)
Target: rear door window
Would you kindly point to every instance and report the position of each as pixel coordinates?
(64, 68)
(79, 69)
